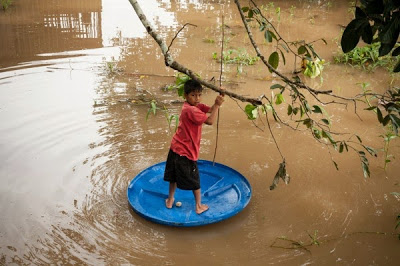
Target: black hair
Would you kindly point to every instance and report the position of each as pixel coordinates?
(192, 85)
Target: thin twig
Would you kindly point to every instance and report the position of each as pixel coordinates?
(273, 27)
(273, 137)
(176, 35)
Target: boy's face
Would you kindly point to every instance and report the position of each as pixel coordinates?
(193, 98)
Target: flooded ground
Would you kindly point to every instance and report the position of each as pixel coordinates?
(75, 81)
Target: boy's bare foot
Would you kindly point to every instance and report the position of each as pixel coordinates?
(169, 203)
(201, 208)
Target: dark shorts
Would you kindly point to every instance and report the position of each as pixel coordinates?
(183, 171)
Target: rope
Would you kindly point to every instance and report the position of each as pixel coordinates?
(220, 85)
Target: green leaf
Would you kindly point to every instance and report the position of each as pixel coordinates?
(336, 165)
(277, 86)
(307, 122)
(273, 35)
(251, 111)
(314, 68)
(302, 50)
(328, 136)
(341, 147)
(279, 99)
(366, 33)
(269, 35)
(326, 121)
(371, 151)
(317, 109)
(365, 168)
(283, 57)
(289, 110)
(153, 107)
(245, 8)
(392, 107)
(395, 123)
(296, 79)
(316, 133)
(267, 107)
(250, 13)
(386, 120)
(359, 139)
(284, 47)
(364, 164)
(389, 34)
(360, 13)
(301, 111)
(181, 79)
(273, 60)
(181, 91)
(274, 115)
(309, 46)
(262, 26)
(379, 114)
(307, 106)
(351, 35)
(173, 117)
(385, 48)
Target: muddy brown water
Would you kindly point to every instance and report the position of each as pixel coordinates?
(73, 135)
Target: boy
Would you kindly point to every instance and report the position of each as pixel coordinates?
(181, 167)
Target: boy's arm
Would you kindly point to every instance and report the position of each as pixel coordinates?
(214, 110)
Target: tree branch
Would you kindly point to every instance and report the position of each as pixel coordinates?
(170, 62)
(259, 54)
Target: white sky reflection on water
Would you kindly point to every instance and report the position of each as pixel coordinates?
(128, 23)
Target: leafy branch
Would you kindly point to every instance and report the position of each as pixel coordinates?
(299, 111)
(170, 62)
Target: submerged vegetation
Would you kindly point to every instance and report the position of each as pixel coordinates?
(367, 57)
(5, 4)
(236, 56)
(168, 116)
(240, 57)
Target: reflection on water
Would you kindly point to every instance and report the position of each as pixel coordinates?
(30, 28)
(73, 135)
(81, 25)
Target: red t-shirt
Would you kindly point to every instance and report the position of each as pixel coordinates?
(186, 141)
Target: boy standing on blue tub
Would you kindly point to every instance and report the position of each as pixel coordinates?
(181, 167)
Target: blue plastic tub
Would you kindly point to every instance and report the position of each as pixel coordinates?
(223, 189)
